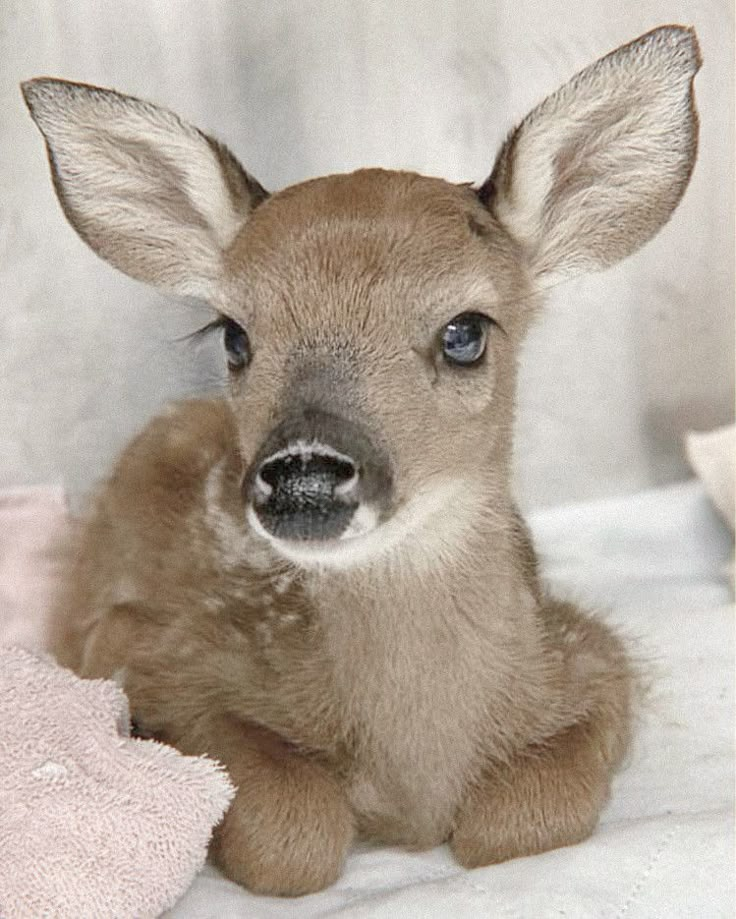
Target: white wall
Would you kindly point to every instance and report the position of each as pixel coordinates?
(620, 366)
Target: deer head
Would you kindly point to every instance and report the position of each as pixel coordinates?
(372, 321)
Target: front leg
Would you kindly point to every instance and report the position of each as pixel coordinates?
(548, 796)
(551, 793)
(290, 826)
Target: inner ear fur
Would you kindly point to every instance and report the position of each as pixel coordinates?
(151, 194)
(593, 172)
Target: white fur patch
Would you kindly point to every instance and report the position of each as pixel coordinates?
(417, 519)
(306, 449)
(124, 591)
(364, 521)
(235, 543)
(282, 583)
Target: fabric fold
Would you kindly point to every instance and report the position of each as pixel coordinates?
(93, 822)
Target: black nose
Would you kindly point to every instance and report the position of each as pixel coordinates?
(301, 493)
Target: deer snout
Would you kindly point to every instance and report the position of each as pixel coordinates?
(306, 492)
(319, 477)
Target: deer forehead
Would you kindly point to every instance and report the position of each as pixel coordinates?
(395, 244)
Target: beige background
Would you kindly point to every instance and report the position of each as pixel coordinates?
(622, 363)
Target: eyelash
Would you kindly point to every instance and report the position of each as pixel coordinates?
(222, 323)
(214, 325)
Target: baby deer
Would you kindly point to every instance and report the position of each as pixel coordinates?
(322, 580)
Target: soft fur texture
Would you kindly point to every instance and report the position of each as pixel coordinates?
(414, 684)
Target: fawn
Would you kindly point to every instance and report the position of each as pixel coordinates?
(322, 580)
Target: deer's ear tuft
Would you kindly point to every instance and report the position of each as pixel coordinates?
(148, 192)
(593, 172)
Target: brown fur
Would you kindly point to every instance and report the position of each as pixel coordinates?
(394, 693)
(428, 690)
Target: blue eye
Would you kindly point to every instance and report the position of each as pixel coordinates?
(464, 338)
(237, 347)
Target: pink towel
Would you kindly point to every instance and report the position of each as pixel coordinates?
(93, 823)
(33, 521)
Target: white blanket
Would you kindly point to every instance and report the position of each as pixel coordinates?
(664, 849)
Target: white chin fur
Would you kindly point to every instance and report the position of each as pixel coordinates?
(364, 539)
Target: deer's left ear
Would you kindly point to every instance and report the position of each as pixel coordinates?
(151, 194)
(595, 170)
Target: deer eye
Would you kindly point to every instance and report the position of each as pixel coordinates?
(464, 338)
(237, 347)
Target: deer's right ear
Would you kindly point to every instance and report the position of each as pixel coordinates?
(149, 193)
(595, 170)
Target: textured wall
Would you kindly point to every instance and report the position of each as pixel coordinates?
(619, 367)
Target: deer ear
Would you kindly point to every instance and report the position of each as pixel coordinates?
(593, 172)
(151, 194)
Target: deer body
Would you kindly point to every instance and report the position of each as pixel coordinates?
(404, 687)
(322, 580)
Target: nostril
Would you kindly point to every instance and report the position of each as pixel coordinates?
(263, 488)
(347, 479)
(343, 471)
(273, 470)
